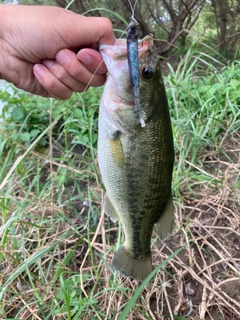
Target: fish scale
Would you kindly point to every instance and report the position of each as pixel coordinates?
(135, 162)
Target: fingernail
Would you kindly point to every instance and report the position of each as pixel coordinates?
(62, 57)
(86, 59)
(38, 69)
(48, 63)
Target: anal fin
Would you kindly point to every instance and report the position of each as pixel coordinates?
(110, 210)
(165, 223)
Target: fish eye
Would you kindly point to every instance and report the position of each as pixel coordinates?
(147, 72)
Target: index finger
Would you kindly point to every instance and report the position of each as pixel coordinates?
(89, 30)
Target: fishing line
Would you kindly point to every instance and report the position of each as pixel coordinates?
(133, 10)
(132, 7)
(133, 20)
(83, 92)
(133, 61)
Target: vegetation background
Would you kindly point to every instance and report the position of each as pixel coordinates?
(55, 242)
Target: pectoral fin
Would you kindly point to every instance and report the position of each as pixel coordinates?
(116, 149)
(110, 210)
(165, 223)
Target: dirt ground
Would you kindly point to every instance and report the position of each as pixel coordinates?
(203, 280)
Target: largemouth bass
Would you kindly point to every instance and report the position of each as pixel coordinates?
(136, 162)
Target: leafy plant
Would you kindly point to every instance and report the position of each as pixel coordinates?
(204, 104)
(56, 244)
(25, 117)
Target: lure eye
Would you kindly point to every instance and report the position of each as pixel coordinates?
(147, 72)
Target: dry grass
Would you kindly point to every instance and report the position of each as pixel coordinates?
(53, 253)
(56, 245)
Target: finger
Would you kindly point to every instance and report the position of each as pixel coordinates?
(63, 76)
(68, 60)
(52, 85)
(20, 73)
(92, 60)
(93, 30)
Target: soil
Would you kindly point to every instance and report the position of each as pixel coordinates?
(204, 277)
(203, 280)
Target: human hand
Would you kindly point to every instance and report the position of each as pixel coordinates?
(37, 49)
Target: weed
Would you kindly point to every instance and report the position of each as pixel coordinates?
(55, 258)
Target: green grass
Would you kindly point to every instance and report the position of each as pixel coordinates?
(204, 102)
(56, 245)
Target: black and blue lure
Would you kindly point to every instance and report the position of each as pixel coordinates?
(133, 62)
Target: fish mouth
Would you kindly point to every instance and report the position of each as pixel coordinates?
(119, 50)
(119, 88)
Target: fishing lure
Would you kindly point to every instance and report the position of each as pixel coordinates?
(133, 62)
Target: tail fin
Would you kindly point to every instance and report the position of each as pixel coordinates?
(127, 266)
